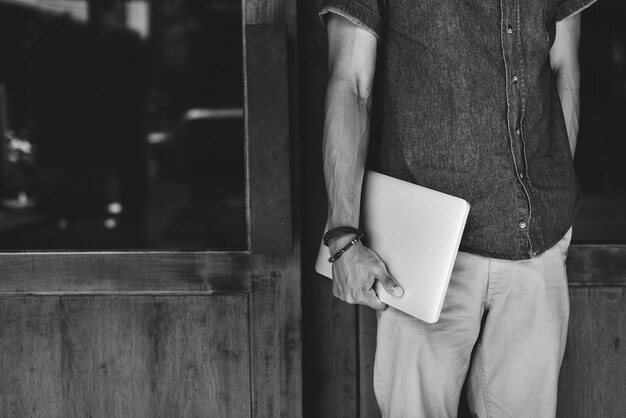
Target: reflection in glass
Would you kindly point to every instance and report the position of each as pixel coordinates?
(124, 129)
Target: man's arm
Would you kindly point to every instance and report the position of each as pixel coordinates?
(564, 62)
(352, 61)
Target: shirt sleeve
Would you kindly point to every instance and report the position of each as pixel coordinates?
(368, 14)
(567, 8)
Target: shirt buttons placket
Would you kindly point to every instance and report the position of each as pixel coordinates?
(513, 69)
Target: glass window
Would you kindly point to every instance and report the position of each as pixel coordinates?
(123, 130)
(602, 140)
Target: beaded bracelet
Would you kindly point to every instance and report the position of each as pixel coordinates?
(339, 253)
(339, 231)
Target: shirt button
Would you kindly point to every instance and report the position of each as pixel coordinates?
(517, 131)
(521, 176)
(509, 29)
(522, 225)
(515, 79)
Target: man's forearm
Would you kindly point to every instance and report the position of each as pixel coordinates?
(568, 87)
(346, 136)
(564, 63)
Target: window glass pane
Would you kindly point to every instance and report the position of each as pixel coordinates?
(602, 141)
(124, 130)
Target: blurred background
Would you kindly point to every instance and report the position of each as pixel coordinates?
(601, 153)
(121, 124)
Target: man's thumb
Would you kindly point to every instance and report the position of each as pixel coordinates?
(391, 286)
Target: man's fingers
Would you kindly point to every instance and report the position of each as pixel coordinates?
(365, 295)
(373, 302)
(390, 285)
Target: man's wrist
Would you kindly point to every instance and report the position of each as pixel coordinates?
(338, 243)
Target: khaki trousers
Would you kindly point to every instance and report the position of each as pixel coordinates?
(503, 325)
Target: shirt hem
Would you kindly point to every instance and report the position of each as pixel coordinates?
(518, 257)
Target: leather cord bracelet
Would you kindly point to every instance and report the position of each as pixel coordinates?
(339, 253)
(340, 231)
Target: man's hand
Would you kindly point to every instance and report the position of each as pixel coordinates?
(355, 273)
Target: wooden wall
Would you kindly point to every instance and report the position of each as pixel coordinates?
(339, 339)
(104, 356)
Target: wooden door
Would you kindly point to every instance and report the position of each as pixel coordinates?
(174, 334)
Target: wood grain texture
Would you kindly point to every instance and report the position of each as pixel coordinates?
(156, 357)
(30, 358)
(597, 265)
(275, 311)
(149, 273)
(125, 357)
(593, 377)
(275, 337)
(108, 358)
(202, 357)
(268, 139)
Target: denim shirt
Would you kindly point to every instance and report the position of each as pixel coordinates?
(468, 106)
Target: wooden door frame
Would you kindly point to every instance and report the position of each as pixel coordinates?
(269, 272)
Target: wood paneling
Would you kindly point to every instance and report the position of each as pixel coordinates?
(30, 358)
(124, 273)
(597, 265)
(107, 353)
(275, 310)
(202, 357)
(125, 356)
(593, 377)
(268, 139)
(275, 337)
